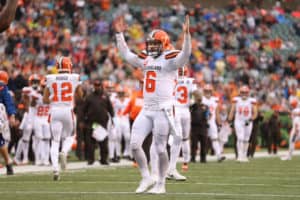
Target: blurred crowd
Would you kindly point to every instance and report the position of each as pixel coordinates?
(231, 46)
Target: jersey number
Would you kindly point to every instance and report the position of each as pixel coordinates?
(183, 98)
(66, 92)
(150, 82)
(42, 111)
(244, 111)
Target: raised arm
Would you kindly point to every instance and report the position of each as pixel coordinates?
(183, 56)
(7, 14)
(125, 52)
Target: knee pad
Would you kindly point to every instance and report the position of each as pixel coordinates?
(2, 140)
(160, 143)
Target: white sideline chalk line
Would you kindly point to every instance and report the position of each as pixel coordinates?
(169, 193)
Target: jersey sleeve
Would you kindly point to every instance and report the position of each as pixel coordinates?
(253, 101)
(130, 57)
(176, 59)
(8, 101)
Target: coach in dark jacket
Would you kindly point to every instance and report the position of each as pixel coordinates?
(199, 116)
(97, 108)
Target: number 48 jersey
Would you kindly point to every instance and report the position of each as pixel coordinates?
(62, 88)
(183, 91)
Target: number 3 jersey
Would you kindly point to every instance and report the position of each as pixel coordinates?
(62, 88)
(183, 91)
(243, 108)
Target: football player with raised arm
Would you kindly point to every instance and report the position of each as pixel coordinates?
(159, 66)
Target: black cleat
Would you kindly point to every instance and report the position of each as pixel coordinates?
(9, 169)
(56, 176)
(221, 159)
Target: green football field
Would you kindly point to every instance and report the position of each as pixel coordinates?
(261, 179)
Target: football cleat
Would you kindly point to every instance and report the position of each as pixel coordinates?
(286, 158)
(175, 176)
(9, 169)
(56, 176)
(144, 185)
(221, 159)
(158, 188)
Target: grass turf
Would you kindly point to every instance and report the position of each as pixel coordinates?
(263, 179)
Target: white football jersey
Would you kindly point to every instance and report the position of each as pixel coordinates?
(212, 104)
(42, 109)
(183, 91)
(119, 106)
(296, 114)
(62, 88)
(243, 108)
(159, 73)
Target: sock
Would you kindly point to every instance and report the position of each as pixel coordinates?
(245, 149)
(111, 146)
(216, 146)
(186, 151)
(67, 144)
(46, 151)
(163, 162)
(54, 154)
(141, 160)
(153, 160)
(25, 151)
(240, 149)
(174, 154)
(19, 150)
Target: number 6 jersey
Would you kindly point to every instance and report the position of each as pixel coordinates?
(62, 88)
(159, 72)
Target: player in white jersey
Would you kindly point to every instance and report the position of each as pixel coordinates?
(27, 123)
(183, 92)
(41, 128)
(122, 126)
(160, 68)
(243, 111)
(60, 92)
(224, 126)
(213, 104)
(295, 132)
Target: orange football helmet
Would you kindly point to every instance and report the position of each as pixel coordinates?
(294, 103)
(64, 64)
(3, 77)
(157, 41)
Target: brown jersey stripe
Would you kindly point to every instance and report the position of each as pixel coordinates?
(171, 55)
(142, 55)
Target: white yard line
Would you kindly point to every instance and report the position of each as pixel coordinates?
(83, 165)
(33, 192)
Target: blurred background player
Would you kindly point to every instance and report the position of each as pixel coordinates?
(7, 108)
(27, 123)
(60, 92)
(122, 122)
(224, 127)
(243, 111)
(213, 105)
(295, 132)
(7, 14)
(183, 92)
(41, 128)
(160, 69)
